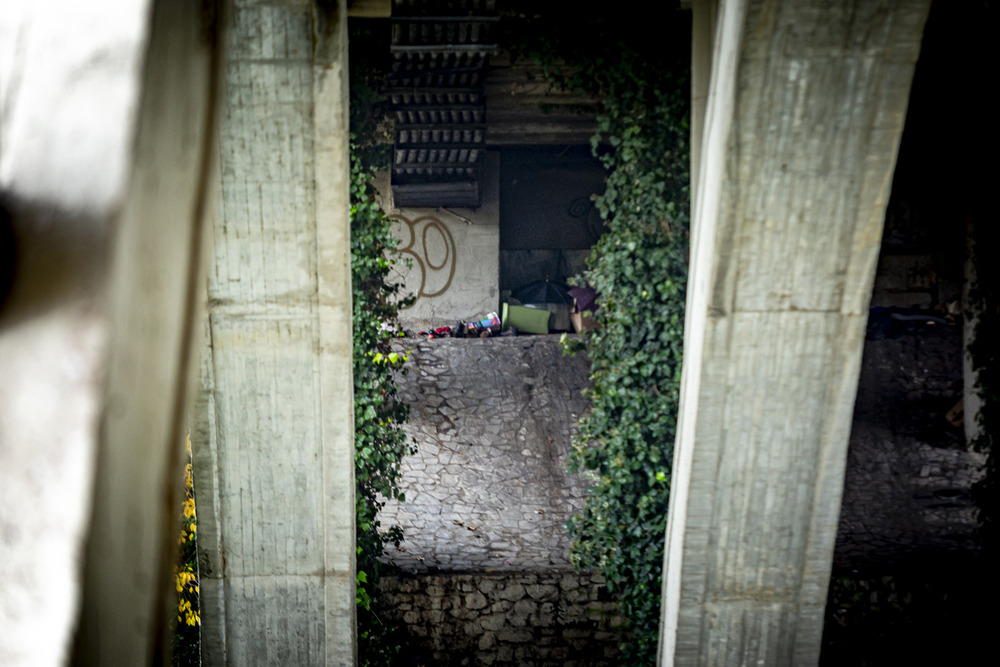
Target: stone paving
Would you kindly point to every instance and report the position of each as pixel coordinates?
(908, 471)
(487, 494)
(488, 489)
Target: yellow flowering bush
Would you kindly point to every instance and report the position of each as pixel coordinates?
(187, 638)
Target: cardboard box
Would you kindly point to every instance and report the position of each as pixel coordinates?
(580, 321)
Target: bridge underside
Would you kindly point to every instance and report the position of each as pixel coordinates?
(804, 102)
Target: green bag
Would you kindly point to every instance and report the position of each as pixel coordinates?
(528, 320)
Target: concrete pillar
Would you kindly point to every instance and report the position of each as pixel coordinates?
(273, 439)
(704, 14)
(805, 110)
(106, 133)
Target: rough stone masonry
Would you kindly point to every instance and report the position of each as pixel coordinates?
(486, 577)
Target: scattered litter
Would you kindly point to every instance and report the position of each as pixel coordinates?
(537, 308)
(956, 416)
(894, 322)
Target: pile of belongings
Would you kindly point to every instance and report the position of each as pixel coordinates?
(536, 308)
(544, 306)
(487, 327)
(542, 295)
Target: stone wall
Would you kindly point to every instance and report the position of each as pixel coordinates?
(487, 494)
(557, 619)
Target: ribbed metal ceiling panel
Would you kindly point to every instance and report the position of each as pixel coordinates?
(440, 51)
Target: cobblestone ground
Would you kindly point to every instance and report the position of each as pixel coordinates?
(487, 495)
(908, 472)
(488, 489)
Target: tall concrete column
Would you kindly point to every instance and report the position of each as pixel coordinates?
(805, 110)
(106, 135)
(704, 14)
(273, 439)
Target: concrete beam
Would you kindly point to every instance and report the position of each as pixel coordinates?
(804, 115)
(156, 300)
(369, 9)
(704, 15)
(273, 440)
(106, 131)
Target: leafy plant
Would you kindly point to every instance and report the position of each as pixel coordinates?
(187, 637)
(639, 267)
(380, 442)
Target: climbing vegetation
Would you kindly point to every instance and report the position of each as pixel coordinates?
(187, 639)
(639, 267)
(379, 441)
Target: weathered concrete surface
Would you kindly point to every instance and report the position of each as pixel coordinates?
(70, 79)
(155, 299)
(104, 164)
(273, 441)
(488, 487)
(50, 407)
(454, 255)
(554, 619)
(805, 111)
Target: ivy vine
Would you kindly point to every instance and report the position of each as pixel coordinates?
(379, 441)
(639, 267)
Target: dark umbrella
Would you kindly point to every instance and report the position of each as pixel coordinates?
(543, 291)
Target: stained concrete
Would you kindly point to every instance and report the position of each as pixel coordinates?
(273, 436)
(805, 111)
(449, 257)
(106, 127)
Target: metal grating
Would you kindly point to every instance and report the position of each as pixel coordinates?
(440, 51)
